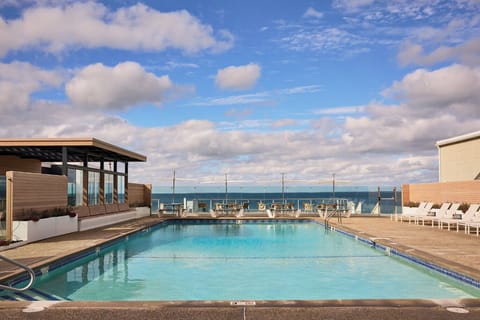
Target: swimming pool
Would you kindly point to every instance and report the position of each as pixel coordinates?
(245, 260)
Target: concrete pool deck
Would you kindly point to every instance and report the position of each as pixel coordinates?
(456, 251)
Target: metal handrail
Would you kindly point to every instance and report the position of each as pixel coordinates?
(328, 216)
(24, 267)
(335, 212)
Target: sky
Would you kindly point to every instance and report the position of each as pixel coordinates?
(362, 89)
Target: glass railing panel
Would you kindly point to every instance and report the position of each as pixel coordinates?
(363, 198)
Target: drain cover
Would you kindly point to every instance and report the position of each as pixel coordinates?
(457, 310)
(37, 306)
(242, 303)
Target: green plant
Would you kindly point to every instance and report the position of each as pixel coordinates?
(464, 207)
(45, 214)
(70, 212)
(411, 204)
(57, 212)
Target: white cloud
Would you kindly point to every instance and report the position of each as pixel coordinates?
(390, 130)
(263, 98)
(455, 87)
(200, 148)
(467, 52)
(93, 25)
(18, 80)
(254, 98)
(238, 77)
(340, 110)
(312, 13)
(282, 123)
(434, 105)
(126, 84)
(301, 89)
(351, 5)
(396, 139)
(174, 65)
(326, 40)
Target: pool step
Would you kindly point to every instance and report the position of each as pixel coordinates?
(31, 294)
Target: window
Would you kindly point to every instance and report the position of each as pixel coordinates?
(93, 188)
(121, 189)
(75, 187)
(108, 188)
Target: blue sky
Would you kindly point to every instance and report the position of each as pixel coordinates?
(360, 88)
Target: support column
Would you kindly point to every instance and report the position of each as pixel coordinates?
(64, 160)
(115, 183)
(102, 182)
(85, 181)
(9, 205)
(126, 182)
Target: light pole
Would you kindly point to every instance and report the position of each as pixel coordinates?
(333, 185)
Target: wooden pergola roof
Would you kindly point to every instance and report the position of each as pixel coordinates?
(51, 150)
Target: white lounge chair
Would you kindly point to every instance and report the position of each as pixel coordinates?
(308, 211)
(449, 214)
(462, 219)
(420, 212)
(434, 215)
(411, 212)
(443, 214)
(475, 225)
(472, 221)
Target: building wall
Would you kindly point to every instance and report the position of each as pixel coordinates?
(13, 163)
(33, 193)
(460, 161)
(457, 191)
(139, 194)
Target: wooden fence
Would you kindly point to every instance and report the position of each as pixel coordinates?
(139, 195)
(457, 191)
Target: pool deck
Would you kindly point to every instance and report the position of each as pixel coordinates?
(456, 251)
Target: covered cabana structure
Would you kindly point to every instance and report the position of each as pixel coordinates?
(86, 175)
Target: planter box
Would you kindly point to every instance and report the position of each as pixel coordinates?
(44, 228)
(112, 218)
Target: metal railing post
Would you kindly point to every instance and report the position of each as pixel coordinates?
(24, 267)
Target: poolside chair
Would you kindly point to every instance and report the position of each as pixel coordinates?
(435, 216)
(448, 214)
(475, 225)
(270, 214)
(219, 207)
(422, 210)
(460, 219)
(213, 213)
(411, 213)
(306, 211)
(322, 210)
(472, 221)
(261, 206)
(307, 207)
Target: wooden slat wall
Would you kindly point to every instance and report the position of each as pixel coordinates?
(37, 192)
(139, 194)
(406, 193)
(458, 191)
(10, 163)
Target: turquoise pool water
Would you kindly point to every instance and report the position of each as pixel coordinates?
(245, 261)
